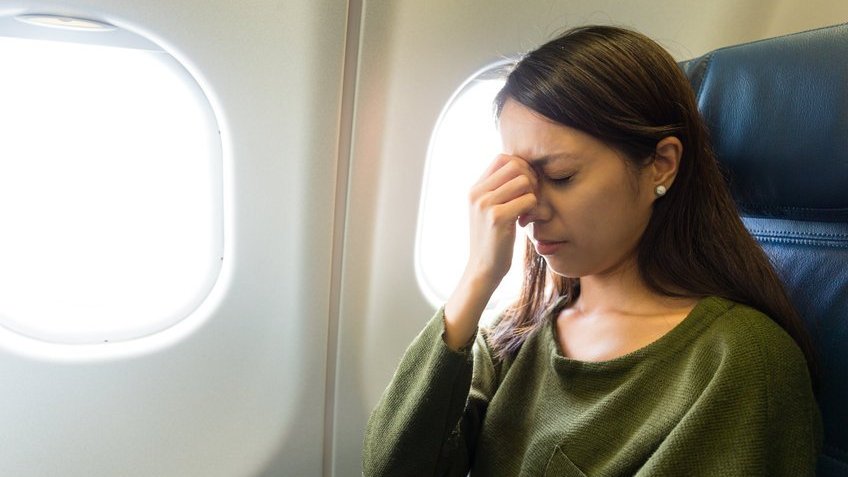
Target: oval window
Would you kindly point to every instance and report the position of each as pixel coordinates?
(464, 142)
(110, 185)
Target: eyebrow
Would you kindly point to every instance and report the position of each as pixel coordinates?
(544, 160)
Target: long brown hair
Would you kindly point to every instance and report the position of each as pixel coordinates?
(624, 89)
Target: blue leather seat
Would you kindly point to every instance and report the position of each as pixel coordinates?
(777, 110)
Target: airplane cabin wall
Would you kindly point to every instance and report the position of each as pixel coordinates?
(325, 109)
(237, 388)
(413, 57)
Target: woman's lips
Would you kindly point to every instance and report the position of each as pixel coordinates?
(547, 248)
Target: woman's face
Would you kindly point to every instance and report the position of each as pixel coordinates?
(592, 208)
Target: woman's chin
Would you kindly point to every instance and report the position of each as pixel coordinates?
(559, 267)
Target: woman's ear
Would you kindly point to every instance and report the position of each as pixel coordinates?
(666, 162)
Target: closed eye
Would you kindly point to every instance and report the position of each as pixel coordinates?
(561, 180)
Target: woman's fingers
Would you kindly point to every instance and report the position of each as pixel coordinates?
(520, 206)
(503, 166)
(514, 188)
(495, 195)
(508, 169)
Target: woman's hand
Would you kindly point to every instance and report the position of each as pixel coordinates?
(503, 193)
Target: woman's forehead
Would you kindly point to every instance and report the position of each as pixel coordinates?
(539, 140)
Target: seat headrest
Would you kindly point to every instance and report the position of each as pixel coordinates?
(778, 111)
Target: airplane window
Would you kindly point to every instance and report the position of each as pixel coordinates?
(110, 190)
(464, 141)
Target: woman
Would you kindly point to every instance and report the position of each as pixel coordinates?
(651, 337)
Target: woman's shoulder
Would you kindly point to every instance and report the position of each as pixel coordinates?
(741, 323)
(751, 337)
(758, 354)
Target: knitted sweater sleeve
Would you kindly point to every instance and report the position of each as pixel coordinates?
(427, 421)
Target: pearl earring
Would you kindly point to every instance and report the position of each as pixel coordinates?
(660, 190)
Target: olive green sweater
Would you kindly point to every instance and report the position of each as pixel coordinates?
(725, 393)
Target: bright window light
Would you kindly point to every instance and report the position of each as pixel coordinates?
(464, 142)
(110, 192)
(69, 23)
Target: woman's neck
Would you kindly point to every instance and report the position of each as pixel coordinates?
(622, 291)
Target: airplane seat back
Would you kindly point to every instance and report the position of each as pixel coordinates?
(777, 111)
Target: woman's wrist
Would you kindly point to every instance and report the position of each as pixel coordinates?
(464, 308)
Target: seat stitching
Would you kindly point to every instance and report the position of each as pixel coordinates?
(830, 244)
(797, 234)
